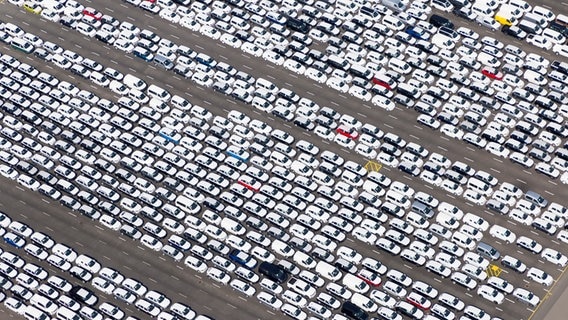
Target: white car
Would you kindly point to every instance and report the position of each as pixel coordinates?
(539, 41)
(218, 275)
(554, 257)
(315, 74)
(474, 197)
(526, 296)
(502, 233)
(463, 280)
(500, 284)
(360, 93)
(475, 221)
(344, 142)
(337, 84)
(273, 57)
(242, 287)
(251, 49)
(231, 40)
(88, 263)
(497, 149)
(540, 276)
(294, 66)
(490, 294)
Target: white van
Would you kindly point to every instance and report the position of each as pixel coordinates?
(462, 240)
(523, 5)
(562, 19)
(280, 159)
(43, 303)
(328, 271)
(397, 198)
(364, 302)
(268, 85)
(134, 82)
(33, 313)
(545, 13)
(261, 104)
(64, 313)
(393, 23)
(187, 204)
(399, 66)
(482, 10)
(479, 186)
(554, 36)
(539, 20)
(22, 45)
(383, 102)
(159, 93)
(354, 283)
(561, 49)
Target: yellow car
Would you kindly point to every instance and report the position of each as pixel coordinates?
(32, 7)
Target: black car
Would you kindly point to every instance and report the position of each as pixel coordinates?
(83, 295)
(462, 13)
(325, 122)
(556, 27)
(68, 22)
(104, 37)
(514, 32)
(273, 272)
(213, 204)
(244, 36)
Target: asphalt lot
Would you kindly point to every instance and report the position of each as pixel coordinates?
(128, 256)
(217, 104)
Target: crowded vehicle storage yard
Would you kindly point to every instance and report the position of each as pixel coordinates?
(283, 159)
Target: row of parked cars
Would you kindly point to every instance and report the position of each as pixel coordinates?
(469, 130)
(240, 119)
(35, 294)
(475, 119)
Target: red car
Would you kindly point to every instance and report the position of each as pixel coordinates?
(381, 83)
(492, 73)
(249, 183)
(371, 278)
(88, 11)
(350, 133)
(418, 300)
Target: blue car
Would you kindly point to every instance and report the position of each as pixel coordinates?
(14, 240)
(170, 135)
(143, 54)
(242, 258)
(238, 153)
(418, 33)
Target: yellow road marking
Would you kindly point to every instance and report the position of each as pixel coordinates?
(373, 166)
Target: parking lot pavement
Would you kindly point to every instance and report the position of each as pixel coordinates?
(156, 271)
(432, 141)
